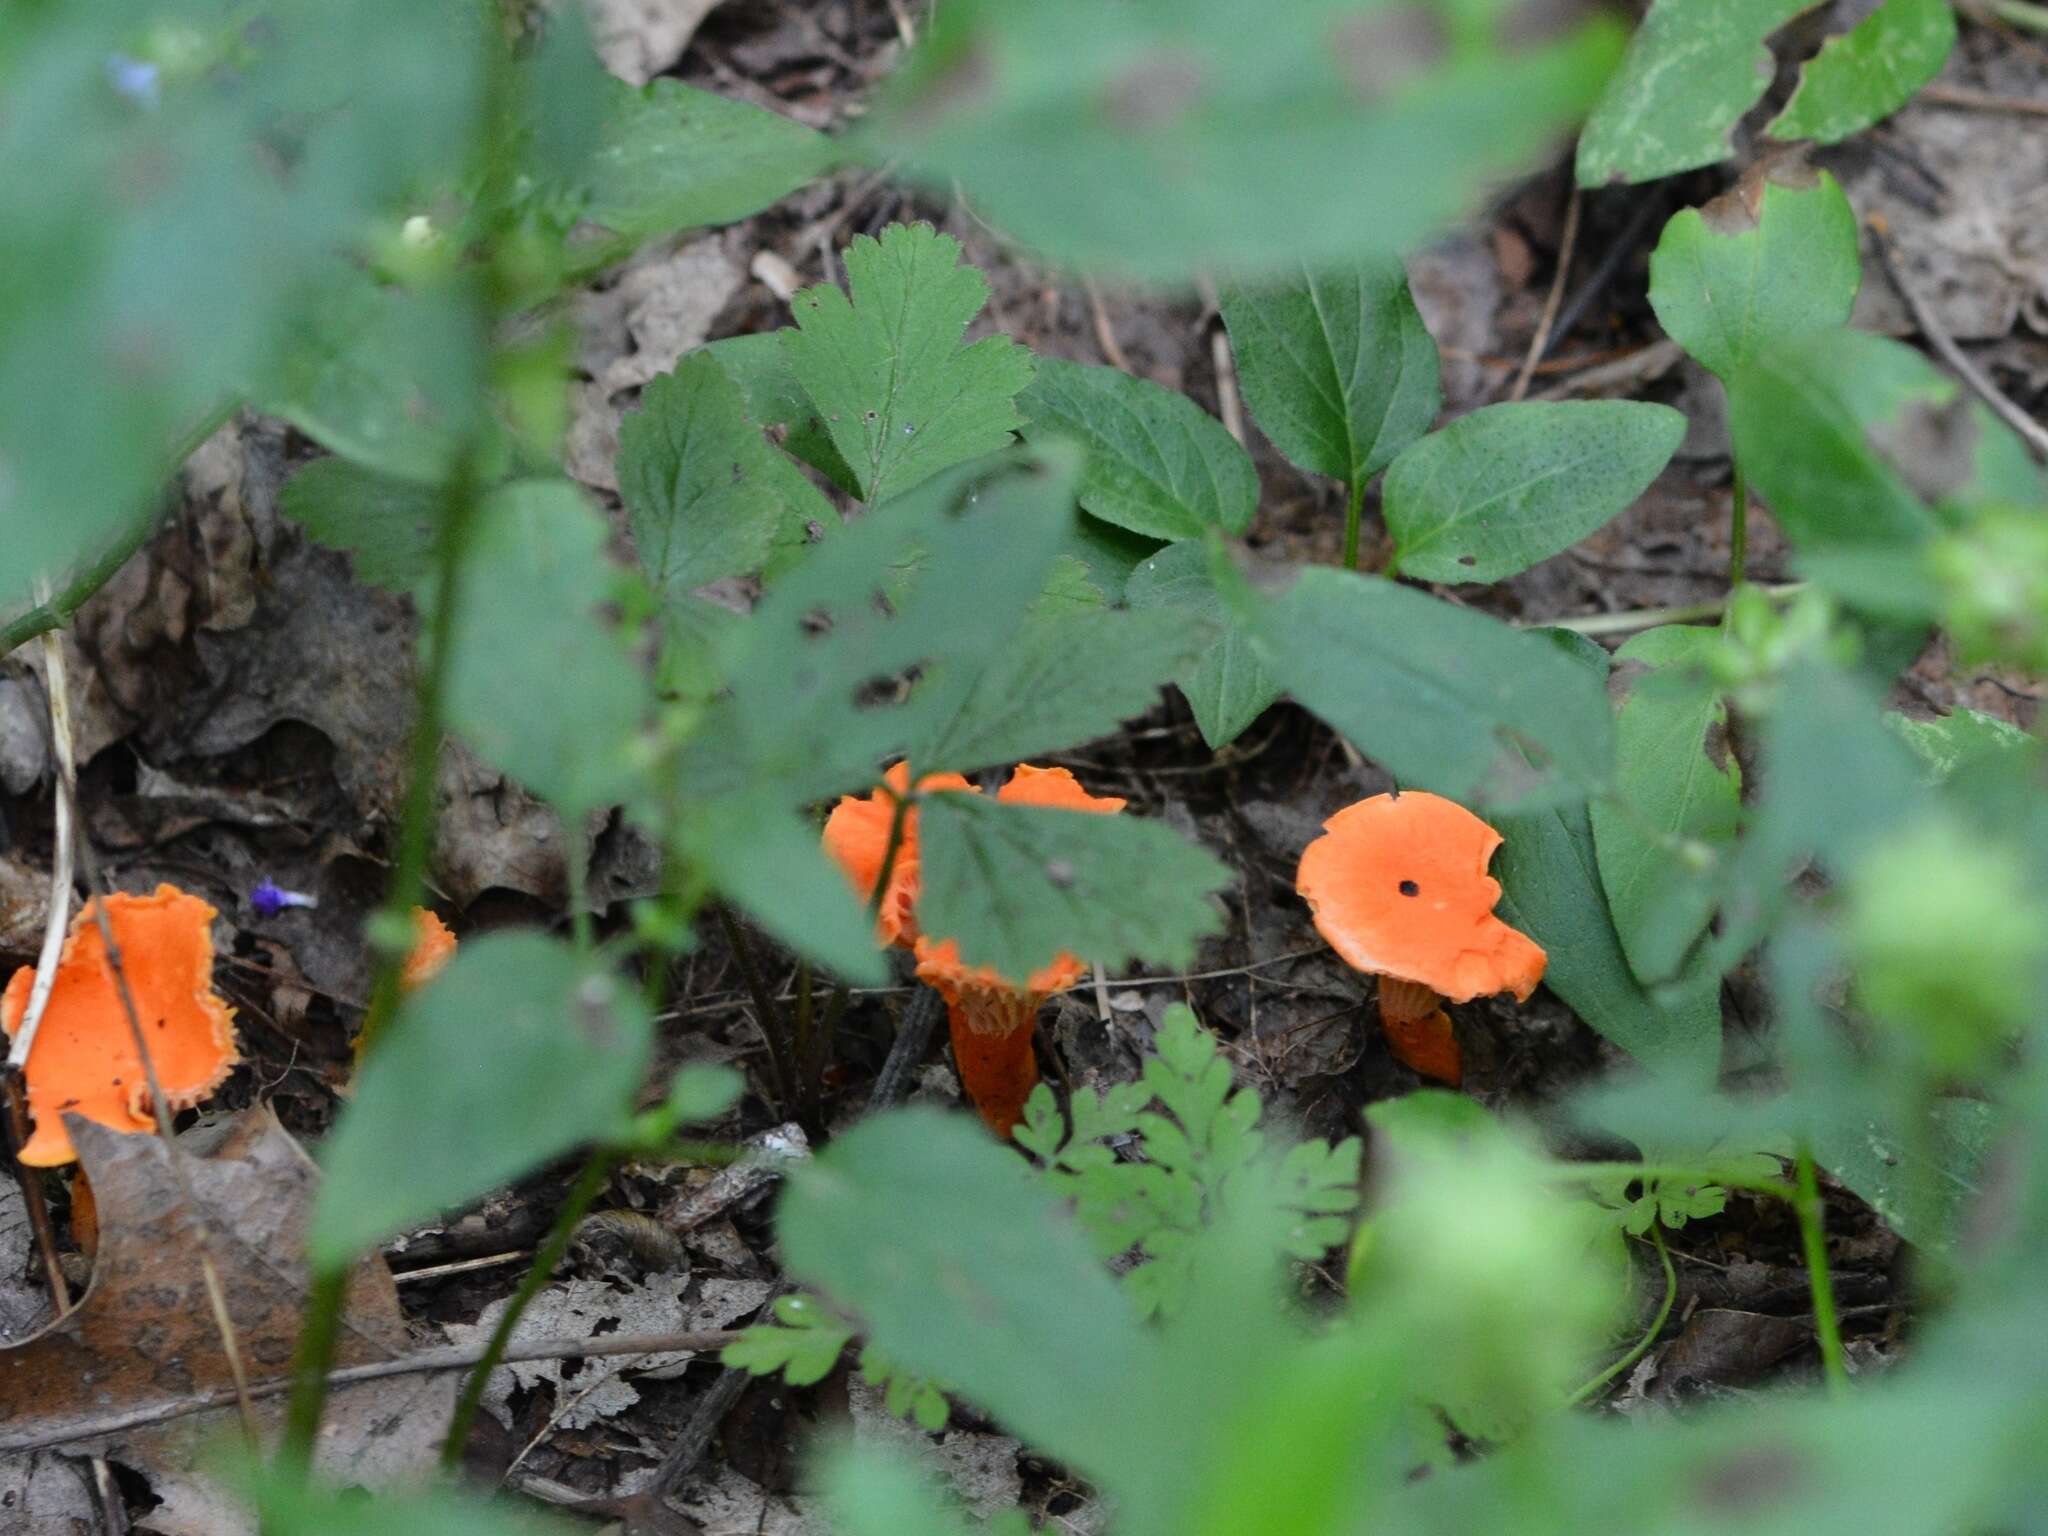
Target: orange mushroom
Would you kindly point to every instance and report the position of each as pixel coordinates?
(433, 946)
(84, 1059)
(1398, 885)
(857, 838)
(990, 1017)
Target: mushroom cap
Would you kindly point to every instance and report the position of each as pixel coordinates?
(1057, 788)
(1398, 885)
(84, 1060)
(433, 946)
(857, 838)
(990, 1003)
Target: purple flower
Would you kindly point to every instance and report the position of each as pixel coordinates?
(269, 898)
(136, 79)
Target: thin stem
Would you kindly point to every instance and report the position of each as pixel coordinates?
(2021, 13)
(1813, 1237)
(805, 1051)
(33, 1196)
(1738, 531)
(582, 926)
(1354, 506)
(311, 1361)
(899, 823)
(1675, 1173)
(1649, 1338)
(766, 1014)
(1649, 618)
(54, 613)
(589, 1184)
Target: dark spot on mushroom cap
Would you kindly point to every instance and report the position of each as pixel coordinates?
(1410, 888)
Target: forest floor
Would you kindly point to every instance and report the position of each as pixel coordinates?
(239, 718)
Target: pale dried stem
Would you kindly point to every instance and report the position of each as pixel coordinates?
(60, 868)
(1541, 339)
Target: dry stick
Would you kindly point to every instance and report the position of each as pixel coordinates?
(1982, 101)
(1649, 618)
(1105, 333)
(1938, 337)
(32, 1196)
(424, 1362)
(1540, 342)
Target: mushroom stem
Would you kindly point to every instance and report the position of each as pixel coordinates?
(998, 1068)
(1418, 1030)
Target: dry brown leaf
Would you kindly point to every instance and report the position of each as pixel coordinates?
(136, 1371)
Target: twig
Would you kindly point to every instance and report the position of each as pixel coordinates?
(1648, 208)
(913, 1038)
(1228, 970)
(766, 1015)
(59, 692)
(424, 1362)
(1639, 366)
(1937, 335)
(1105, 333)
(32, 1196)
(1227, 405)
(1540, 342)
(1981, 101)
(1649, 618)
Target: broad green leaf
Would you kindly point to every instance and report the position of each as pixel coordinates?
(934, 583)
(875, 1491)
(1877, 1161)
(1337, 367)
(1443, 698)
(1227, 686)
(385, 526)
(532, 581)
(883, 362)
(1017, 885)
(1777, 256)
(1677, 796)
(514, 1055)
(1058, 681)
(1691, 72)
(1550, 889)
(1857, 440)
(1509, 485)
(698, 480)
(1170, 137)
(964, 1268)
(758, 854)
(1960, 737)
(1158, 464)
(293, 1505)
(1867, 73)
(675, 157)
(760, 366)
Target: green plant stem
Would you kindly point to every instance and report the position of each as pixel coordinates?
(1813, 1237)
(1354, 507)
(2021, 13)
(589, 1185)
(1738, 531)
(1649, 618)
(59, 610)
(765, 1011)
(312, 1358)
(1642, 1346)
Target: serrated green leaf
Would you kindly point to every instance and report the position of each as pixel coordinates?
(1677, 796)
(1867, 73)
(1180, 140)
(803, 1344)
(759, 365)
(1444, 698)
(1158, 464)
(385, 526)
(675, 157)
(1692, 70)
(1550, 889)
(1338, 368)
(1227, 686)
(1755, 266)
(1509, 485)
(1060, 680)
(1943, 745)
(531, 583)
(1017, 885)
(442, 1114)
(1855, 441)
(883, 362)
(697, 479)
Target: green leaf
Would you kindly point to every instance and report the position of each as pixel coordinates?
(1869, 72)
(899, 394)
(1179, 140)
(1061, 679)
(516, 1054)
(1443, 698)
(873, 1491)
(1778, 256)
(1961, 737)
(1227, 687)
(702, 1091)
(1677, 796)
(1691, 71)
(1550, 889)
(675, 157)
(1158, 464)
(698, 480)
(386, 526)
(1337, 368)
(759, 365)
(802, 1345)
(294, 1505)
(1876, 1160)
(1509, 485)
(962, 1267)
(1017, 885)
(534, 575)
(1856, 440)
